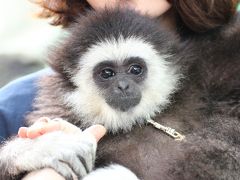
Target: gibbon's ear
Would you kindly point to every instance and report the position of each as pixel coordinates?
(61, 58)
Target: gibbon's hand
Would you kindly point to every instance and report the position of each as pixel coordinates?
(69, 154)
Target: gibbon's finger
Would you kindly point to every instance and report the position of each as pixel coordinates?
(96, 131)
(22, 132)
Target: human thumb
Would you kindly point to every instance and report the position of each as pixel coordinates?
(96, 131)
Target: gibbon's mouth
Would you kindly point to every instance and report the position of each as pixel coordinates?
(124, 103)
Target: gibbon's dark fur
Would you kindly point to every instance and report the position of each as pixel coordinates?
(206, 109)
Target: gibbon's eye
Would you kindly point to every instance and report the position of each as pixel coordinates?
(135, 69)
(107, 73)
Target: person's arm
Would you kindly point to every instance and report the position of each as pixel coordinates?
(46, 173)
(16, 101)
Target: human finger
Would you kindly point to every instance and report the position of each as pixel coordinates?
(22, 132)
(96, 131)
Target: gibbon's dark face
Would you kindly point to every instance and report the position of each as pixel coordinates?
(121, 66)
(120, 83)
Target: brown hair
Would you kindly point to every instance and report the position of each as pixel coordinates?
(197, 15)
(203, 15)
(61, 12)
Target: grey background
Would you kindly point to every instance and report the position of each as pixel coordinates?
(24, 39)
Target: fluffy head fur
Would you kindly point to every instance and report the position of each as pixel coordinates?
(116, 36)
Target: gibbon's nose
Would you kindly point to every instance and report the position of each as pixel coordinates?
(123, 86)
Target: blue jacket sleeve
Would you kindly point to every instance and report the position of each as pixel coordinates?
(16, 101)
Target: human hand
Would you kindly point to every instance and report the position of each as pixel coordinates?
(46, 125)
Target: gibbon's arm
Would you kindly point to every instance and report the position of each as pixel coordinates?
(67, 154)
